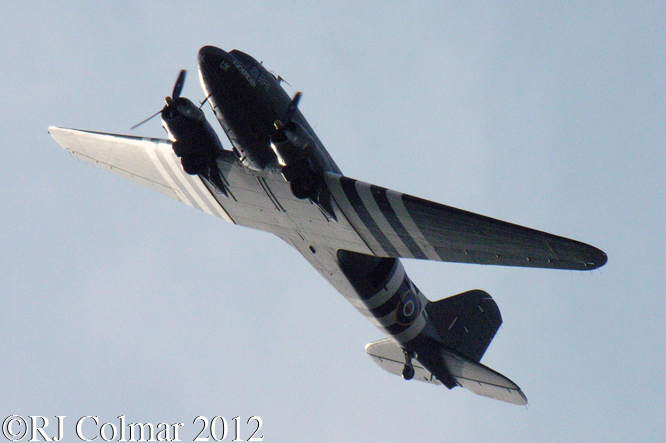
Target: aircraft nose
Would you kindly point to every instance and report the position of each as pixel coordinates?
(210, 56)
(213, 62)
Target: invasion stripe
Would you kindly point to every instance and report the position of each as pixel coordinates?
(387, 307)
(335, 186)
(395, 198)
(385, 206)
(368, 199)
(162, 153)
(349, 188)
(217, 206)
(391, 287)
(390, 324)
(167, 153)
(151, 151)
(162, 157)
(180, 174)
(413, 331)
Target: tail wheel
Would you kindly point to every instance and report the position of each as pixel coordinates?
(408, 372)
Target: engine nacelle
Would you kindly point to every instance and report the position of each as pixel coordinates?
(194, 140)
(291, 143)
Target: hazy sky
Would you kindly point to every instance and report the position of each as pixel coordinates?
(119, 301)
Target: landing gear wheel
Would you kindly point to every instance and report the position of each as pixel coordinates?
(302, 187)
(408, 372)
(193, 165)
(289, 173)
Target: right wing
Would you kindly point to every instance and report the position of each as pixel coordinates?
(259, 200)
(399, 225)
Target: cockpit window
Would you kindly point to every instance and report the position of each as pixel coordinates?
(252, 66)
(245, 59)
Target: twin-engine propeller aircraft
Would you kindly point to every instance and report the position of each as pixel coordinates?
(279, 178)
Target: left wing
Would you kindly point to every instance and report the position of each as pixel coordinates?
(256, 199)
(399, 225)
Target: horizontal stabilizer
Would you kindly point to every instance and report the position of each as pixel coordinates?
(389, 356)
(470, 375)
(482, 380)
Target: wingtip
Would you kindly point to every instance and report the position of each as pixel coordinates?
(56, 129)
(525, 402)
(598, 259)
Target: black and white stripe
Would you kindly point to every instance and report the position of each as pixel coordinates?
(380, 217)
(383, 309)
(190, 189)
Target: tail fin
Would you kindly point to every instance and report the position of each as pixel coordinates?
(466, 323)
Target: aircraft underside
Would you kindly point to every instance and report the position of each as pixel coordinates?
(280, 179)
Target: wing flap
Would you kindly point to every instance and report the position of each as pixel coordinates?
(399, 225)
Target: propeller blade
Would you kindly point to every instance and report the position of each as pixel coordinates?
(145, 121)
(178, 87)
(291, 110)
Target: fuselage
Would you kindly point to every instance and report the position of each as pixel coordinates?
(247, 101)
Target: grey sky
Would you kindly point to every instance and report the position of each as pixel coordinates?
(116, 300)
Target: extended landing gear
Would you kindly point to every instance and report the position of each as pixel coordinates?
(408, 371)
(304, 186)
(306, 183)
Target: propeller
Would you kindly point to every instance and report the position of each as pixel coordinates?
(170, 101)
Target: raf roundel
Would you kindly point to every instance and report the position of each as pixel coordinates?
(408, 309)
